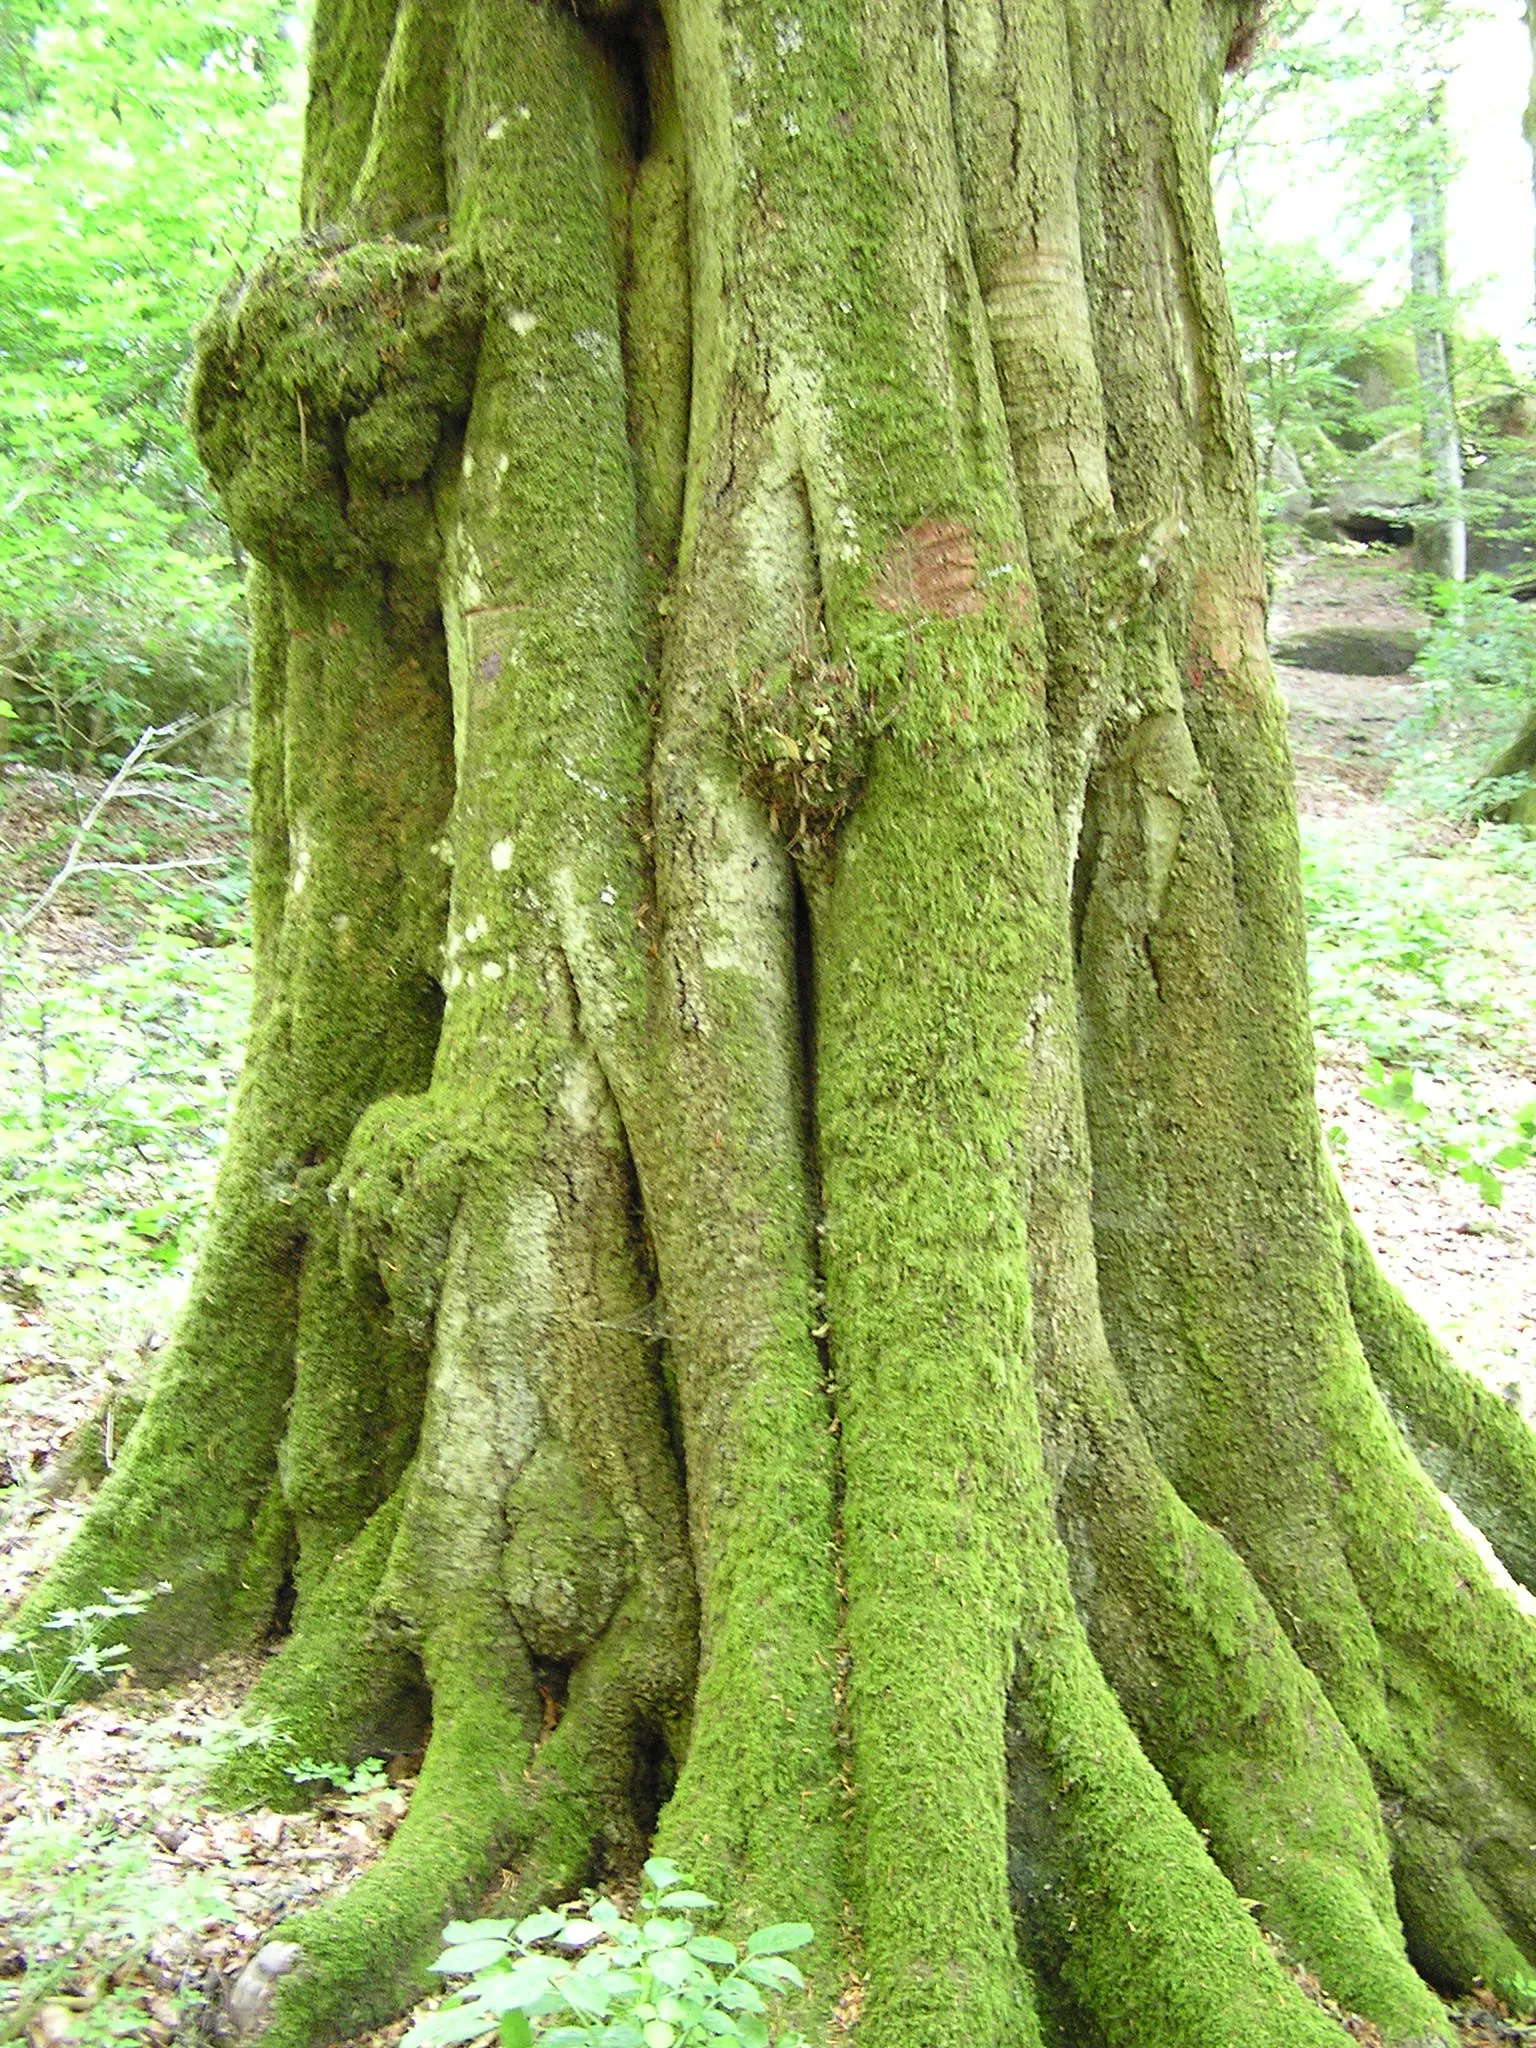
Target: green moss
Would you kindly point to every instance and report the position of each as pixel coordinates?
(270, 878)
(92, 1447)
(1455, 1940)
(186, 1500)
(401, 185)
(927, 1288)
(1242, 1734)
(365, 1954)
(324, 384)
(681, 1180)
(349, 45)
(1475, 1446)
(567, 1559)
(350, 794)
(358, 1389)
(398, 1192)
(338, 1690)
(657, 345)
(1121, 1905)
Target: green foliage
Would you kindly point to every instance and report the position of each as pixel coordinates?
(1481, 638)
(590, 1978)
(1400, 956)
(42, 1677)
(84, 1907)
(146, 148)
(1300, 327)
(354, 1781)
(114, 1089)
(1480, 664)
(1395, 1092)
(1422, 969)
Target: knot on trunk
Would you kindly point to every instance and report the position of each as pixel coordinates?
(325, 385)
(567, 1562)
(399, 1189)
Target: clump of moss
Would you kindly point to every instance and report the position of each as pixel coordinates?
(325, 384)
(802, 733)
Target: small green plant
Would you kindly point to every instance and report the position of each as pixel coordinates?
(84, 1908)
(43, 1677)
(802, 735)
(587, 1977)
(354, 1781)
(114, 1090)
(1395, 1092)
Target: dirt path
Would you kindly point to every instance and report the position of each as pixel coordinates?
(1468, 1268)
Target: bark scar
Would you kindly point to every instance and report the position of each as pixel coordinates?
(931, 567)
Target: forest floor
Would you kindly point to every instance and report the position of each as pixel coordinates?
(1422, 945)
(128, 1905)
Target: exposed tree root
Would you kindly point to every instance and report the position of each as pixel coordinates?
(1133, 1933)
(1518, 759)
(193, 1500)
(338, 1689)
(364, 1953)
(1475, 1446)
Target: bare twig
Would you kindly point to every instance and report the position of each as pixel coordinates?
(148, 867)
(143, 749)
(175, 803)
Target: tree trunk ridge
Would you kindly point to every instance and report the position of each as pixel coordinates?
(775, 1284)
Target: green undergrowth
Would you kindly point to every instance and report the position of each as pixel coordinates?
(122, 1014)
(588, 1977)
(84, 1907)
(114, 1087)
(1423, 972)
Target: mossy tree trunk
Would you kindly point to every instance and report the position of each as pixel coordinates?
(1518, 760)
(775, 1271)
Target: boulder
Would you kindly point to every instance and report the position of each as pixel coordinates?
(1286, 482)
(1501, 511)
(1383, 495)
(1352, 650)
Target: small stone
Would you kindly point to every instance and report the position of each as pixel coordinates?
(250, 1995)
(52, 2025)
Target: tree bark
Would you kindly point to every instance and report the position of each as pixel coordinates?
(1446, 553)
(1517, 759)
(775, 1271)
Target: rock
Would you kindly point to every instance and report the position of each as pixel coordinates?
(267, 1829)
(250, 1996)
(1318, 524)
(1286, 479)
(53, 2025)
(1352, 650)
(1384, 494)
(1501, 512)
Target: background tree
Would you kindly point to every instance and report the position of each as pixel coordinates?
(144, 150)
(1372, 82)
(774, 1271)
(1417, 116)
